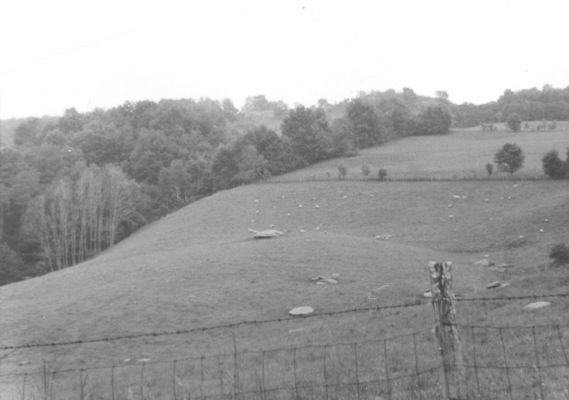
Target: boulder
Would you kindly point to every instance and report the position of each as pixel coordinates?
(485, 263)
(494, 285)
(537, 305)
(266, 234)
(303, 310)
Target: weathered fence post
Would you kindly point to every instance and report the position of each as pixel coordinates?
(236, 387)
(446, 330)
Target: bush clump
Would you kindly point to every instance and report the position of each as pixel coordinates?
(489, 169)
(560, 254)
(554, 167)
(381, 174)
(342, 171)
(509, 158)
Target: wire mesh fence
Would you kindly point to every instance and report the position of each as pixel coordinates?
(499, 363)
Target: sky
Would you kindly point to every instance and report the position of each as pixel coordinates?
(86, 54)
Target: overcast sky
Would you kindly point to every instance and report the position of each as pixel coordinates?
(59, 54)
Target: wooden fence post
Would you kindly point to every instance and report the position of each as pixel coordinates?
(446, 331)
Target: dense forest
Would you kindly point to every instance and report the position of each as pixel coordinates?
(74, 185)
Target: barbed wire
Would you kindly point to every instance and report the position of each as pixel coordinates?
(509, 298)
(51, 371)
(416, 303)
(215, 327)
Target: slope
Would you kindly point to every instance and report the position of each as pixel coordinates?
(200, 267)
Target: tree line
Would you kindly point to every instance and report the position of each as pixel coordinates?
(546, 104)
(74, 185)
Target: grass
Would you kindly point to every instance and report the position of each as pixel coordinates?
(200, 267)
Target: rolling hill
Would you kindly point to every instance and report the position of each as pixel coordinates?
(201, 267)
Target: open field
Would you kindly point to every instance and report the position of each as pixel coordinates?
(461, 154)
(200, 267)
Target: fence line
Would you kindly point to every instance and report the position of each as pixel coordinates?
(416, 303)
(499, 360)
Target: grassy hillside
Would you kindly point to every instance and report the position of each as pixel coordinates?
(460, 154)
(200, 266)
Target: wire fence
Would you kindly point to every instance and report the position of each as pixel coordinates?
(498, 362)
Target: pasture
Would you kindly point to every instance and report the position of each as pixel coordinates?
(461, 154)
(200, 267)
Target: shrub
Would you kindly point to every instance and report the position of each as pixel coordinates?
(381, 174)
(489, 169)
(342, 171)
(553, 166)
(560, 254)
(509, 158)
(514, 122)
(365, 170)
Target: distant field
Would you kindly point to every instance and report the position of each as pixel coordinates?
(461, 154)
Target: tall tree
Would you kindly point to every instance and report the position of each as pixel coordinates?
(308, 132)
(365, 123)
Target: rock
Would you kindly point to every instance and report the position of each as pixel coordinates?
(316, 206)
(486, 200)
(449, 206)
(22, 363)
(516, 185)
(451, 216)
(541, 231)
(330, 281)
(300, 206)
(256, 201)
(546, 220)
(144, 360)
(256, 211)
(485, 263)
(335, 275)
(317, 278)
(301, 230)
(494, 285)
(456, 196)
(506, 266)
(320, 283)
(427, 293)
(266, 234)
(303, 310)
(537, 305)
